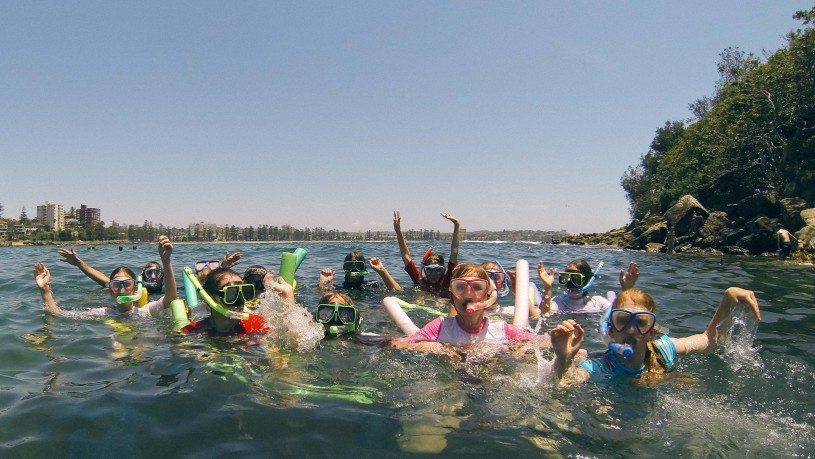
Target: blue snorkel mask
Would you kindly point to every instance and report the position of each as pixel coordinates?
(495, 276)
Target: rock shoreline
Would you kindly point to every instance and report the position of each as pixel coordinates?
(748, 227)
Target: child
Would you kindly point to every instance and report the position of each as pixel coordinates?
(470, 287)
(354, 268)
(631, 326)
(433, 277)
(122, 286)
(576, 278)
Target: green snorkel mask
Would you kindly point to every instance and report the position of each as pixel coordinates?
(338, 319)
(354, 268)
(124, 299)
(190, 277)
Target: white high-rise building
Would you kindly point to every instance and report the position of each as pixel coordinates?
(51, 215)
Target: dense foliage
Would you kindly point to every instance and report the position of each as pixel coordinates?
(756, 132)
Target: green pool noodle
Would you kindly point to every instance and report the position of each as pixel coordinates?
(189, 292)
(289, 262)
(178, 310)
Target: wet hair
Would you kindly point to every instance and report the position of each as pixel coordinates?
(124, 269)
(333, 297)
(435, 258)
(655, 365)
(355, 255)
(151, 264)
(214, 277)
(491, 266)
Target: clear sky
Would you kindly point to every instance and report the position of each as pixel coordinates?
(509, 115)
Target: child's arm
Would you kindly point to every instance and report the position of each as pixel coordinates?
(165, 250)
(454, 244)
(326, 282)
(707, 340)
(70, 257)
(547, 278)
(566, 341)
(43, 277)
(397, 228)
(628, 278)
(379, 267)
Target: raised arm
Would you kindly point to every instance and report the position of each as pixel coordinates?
(43, 278)
(165, 250)
(547, 278)
(325, 283)
(397, 228)
(455, 242)
(628, 278)
(707, 340)
(379, 267)
(69, 256)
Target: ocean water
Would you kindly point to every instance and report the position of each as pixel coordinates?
(86, 388)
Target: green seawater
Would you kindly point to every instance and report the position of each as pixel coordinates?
(82, 388)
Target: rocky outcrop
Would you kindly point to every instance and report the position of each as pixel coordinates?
(748, 227)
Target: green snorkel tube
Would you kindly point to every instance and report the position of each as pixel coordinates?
(137, 296)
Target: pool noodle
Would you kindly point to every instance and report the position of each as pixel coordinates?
(521, 318)
(178, 310)
(289, 262)
(189, 292)
(398, 315)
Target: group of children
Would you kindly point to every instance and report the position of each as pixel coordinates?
(637, 349)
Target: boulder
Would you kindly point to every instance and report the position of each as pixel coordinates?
(715, 230)
(791, 213)
(806, 238)
(760, 203)
(808, 216)
(654, 247)
(679, 214)
(655, 233)
(761, 237)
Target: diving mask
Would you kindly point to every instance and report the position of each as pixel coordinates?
(200, 265)
(338, 318)
(433, 269)
(354, 268)
(118, 285)
(236, 293)
(572, 280)
(479, 287)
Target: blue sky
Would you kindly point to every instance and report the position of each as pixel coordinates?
(509, 115)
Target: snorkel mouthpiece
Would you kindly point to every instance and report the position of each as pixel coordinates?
(124, 299)
(623, 349)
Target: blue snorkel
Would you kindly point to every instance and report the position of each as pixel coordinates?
(585, 289)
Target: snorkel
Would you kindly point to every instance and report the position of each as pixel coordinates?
(192, 284)
(140, 296)
(605, 327)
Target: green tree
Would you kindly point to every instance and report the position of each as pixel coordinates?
(23, 216)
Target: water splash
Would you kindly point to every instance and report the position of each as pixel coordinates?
(736, 337)
(291, 325)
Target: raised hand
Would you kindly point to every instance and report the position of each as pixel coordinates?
(547, 277)
(628, 278)
(165, 247)
(450, 217)
(397, 220)
(376, 264)
(567, 338)
(42, 275)
(69, 256)
(740, 296)
(326, 276)
(282, 288)
(231, 260)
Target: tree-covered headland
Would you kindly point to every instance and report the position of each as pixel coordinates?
(744, 162)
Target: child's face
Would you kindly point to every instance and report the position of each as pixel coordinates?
(469, 295)
(627, 329)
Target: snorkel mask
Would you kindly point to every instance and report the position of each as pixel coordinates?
(137, 296)
(153, 277)
(354, 268)
(338, 319)
(192, 279)
(496, 277)
(574, 280)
